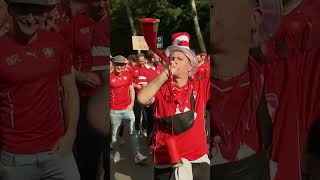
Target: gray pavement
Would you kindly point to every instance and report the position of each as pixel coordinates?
(126, 169)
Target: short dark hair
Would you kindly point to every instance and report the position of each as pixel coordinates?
(133, 57)
(141, 55)
(149, 55)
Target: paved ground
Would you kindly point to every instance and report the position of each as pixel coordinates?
(126, 169)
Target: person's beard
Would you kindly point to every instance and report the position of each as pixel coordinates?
(156, 63)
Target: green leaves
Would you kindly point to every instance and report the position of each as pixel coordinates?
(174, 15)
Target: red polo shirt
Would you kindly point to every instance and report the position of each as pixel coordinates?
(61, 16)
(119, 90)
(138, 76)
(30, 108)
(292, 90)
(91, 44)
(203, 71)
(150, 73)
(135, 72)
(192, 143)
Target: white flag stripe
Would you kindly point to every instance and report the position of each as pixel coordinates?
(179, 39)
(142, 77)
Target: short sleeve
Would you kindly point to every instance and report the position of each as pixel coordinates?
(65, 62)
(130, 79)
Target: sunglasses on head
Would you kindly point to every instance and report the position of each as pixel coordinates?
(119, 64)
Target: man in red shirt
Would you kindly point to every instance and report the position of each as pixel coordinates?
(122, 97)
(286, 83)
(179, 107)
(204, 66)
(203, 73)
(132, 60)
(157, 62)
(150, 71)
(38, 125)
(152, 68)
(90, 42)
(138, 81)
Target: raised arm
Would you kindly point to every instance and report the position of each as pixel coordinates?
(147, 93)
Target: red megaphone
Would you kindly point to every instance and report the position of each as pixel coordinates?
(150, 30)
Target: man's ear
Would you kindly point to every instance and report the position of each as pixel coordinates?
(256, 19)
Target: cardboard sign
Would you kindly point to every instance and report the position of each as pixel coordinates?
(139, 43)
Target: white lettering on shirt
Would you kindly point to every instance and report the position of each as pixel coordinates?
(13, 60)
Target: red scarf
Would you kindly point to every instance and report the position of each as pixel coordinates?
(180, 96)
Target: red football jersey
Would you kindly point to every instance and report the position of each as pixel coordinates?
(192, 143)
(150, 73)
(30, 108)
(91, 45)
(292, 92)
(119, 90)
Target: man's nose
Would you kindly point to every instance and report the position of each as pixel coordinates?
(30, 18)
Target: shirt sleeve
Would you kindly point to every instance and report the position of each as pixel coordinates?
(66, 31)
(130, 79)
(142, 78)
(310, 87)
(65, 63)
(296, 39)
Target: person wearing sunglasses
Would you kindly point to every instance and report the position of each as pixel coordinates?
(38, 120)
(89, 35)
(122, 97)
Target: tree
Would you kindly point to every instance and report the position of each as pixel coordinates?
(197, 27)
(174, 15)
(129, 13)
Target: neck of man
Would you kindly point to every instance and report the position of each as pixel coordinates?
(180, 82)
(150, 64)
(229, 66)
(94, 16)
(290, 5)
(75, 7)
(116, 72)
(21, 37)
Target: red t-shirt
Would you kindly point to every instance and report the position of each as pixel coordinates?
(119, 90)
(131, 70)
(192, 143)
(138, 76)
(150, 73)
(30, 108)
(292, 90)
(61, 16)
(135, 72)
(91, 45)
(203, 71)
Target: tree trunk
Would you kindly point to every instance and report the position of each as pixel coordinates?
(197, 27)
(129, 13)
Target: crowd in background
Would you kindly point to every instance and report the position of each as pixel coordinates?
(128, 76)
